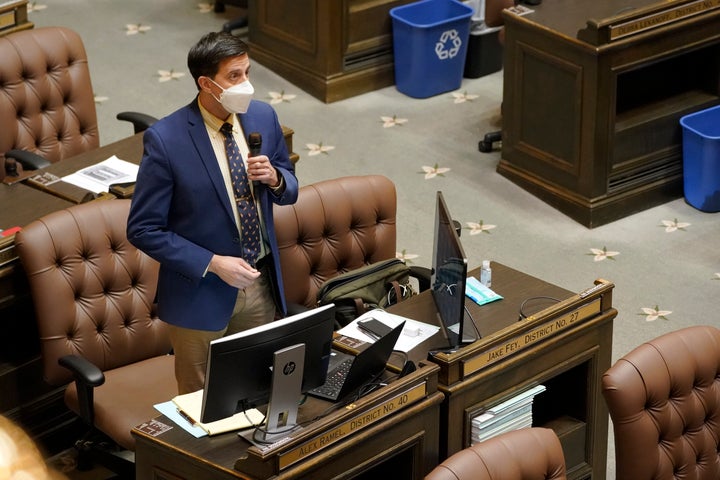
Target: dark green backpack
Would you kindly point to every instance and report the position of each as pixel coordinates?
(377, 285)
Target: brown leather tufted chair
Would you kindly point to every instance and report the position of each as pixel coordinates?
(336, 226)
(47, 102)
(664, 402)
(94, 301)
(525, 454)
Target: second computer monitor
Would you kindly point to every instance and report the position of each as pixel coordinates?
(449, 274)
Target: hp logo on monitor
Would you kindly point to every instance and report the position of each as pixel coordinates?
(289, 368)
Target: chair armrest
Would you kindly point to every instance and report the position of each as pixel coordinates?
(87, 376)
(29, 160)
(140, 121)
(422, 275)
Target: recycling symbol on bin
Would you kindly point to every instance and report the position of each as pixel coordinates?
(448, 45)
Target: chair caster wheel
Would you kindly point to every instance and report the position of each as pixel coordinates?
(486, 144)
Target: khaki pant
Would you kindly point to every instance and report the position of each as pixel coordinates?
(254, 306)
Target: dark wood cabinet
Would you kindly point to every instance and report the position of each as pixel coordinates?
(333, 49)
(591, 108)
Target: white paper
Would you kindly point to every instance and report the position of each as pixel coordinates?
(98, 178)
(413, 334)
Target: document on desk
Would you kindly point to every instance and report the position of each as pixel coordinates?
(184, 410)
(98, 178)
(413, 334)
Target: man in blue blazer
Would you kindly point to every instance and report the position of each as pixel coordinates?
(184, 213)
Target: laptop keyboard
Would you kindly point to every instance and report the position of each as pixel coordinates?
(334, 380)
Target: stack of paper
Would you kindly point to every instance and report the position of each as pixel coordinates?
(188, 407)
(512, 414)
(98, 178)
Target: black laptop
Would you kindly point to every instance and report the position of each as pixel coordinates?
(347, 373)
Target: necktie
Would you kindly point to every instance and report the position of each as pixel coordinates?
(247, 210)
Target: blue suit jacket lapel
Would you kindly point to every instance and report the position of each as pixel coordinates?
(198, 133)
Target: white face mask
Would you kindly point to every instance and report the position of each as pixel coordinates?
(236, 99)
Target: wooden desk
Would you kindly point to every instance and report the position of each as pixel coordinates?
(391, 433)
(565, 346)
(591, 106)
(129, 149)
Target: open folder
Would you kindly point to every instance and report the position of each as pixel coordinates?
(189, 406)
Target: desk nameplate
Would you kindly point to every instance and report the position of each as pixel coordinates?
(359, 422)
(13, 16)
(663, 17)
(7, 19)
(598, 32)
(7, 251)
(529, 337)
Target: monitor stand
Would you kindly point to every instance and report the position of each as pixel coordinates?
(470, 332)
(281, 417)
(466, 335)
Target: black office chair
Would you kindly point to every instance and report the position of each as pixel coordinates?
(239, 22)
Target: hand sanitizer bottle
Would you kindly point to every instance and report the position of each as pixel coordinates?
(486, 273)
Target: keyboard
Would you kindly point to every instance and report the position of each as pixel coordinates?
(334, 380)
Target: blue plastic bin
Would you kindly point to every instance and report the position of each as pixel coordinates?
(430, 40)
(701, 159)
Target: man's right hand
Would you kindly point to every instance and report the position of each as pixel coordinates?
(233, 271)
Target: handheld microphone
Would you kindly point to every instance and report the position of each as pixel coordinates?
(254, 145)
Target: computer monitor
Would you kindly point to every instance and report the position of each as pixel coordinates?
(245, 369)
(449, 274)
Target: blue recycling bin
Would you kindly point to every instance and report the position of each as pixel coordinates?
(430, 40)
(701, 159)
